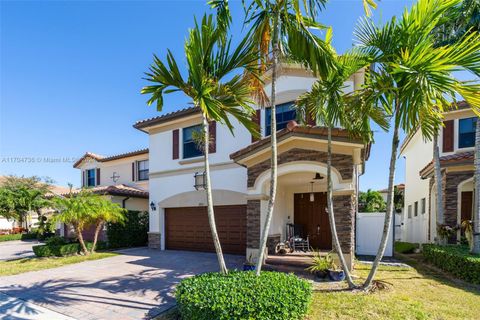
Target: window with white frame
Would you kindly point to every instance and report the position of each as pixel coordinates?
(142, 170)
(423, 206)
(466, 132)
(190, 146)
(410, 211)
(284, 113)
(415, 208)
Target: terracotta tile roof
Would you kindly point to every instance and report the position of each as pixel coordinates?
(449, 160)
(117, 190)
(460, 106)
(100, 158)
(140, 125)
(400, 187)
(293, 129)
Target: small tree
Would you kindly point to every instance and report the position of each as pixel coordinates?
(102, 211)
(371, 201)
(77, 211)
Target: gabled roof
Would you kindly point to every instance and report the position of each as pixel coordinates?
(185, 112)
(455, 159)
(100, 158)
(117, 190)
(294, 129)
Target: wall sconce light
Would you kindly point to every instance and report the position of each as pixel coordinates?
(312, 195)
(152, 206)
(199, 179)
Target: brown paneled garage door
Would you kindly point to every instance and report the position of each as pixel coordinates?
(188, 229)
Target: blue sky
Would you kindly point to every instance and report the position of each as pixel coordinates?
(71, 74)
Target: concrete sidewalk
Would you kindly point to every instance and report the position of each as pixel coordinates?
(13, 308)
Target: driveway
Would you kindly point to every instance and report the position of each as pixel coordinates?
(134, 285)
(16, 249)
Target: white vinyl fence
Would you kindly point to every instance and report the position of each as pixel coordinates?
(369, 234)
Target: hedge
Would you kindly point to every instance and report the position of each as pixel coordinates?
(18, 236)
(243, 295)
(63, 249)
(454, 259)
(405, 247)
(134, 233)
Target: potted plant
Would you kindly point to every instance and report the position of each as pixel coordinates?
(249, 264)
(321, 265)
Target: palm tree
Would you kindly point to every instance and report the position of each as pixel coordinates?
(102, 211)
(75, 210)
(413, 78)
(280, 30)
(328, 103)
(215, 87)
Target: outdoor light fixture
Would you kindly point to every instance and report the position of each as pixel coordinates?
(152, 206)
(312, 196)
(199, 179)
(317, 176)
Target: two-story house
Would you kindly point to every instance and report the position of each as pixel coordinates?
(122, 178)
(456, 143)
(240, 171)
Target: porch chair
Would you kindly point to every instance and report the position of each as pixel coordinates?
(297, 238)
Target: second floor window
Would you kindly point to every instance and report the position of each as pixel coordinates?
(409, 211)
(190, 146)
(424, 205)
(91, 178)
(466, 132)
(285, 112)
(142, 167)
(415, 209)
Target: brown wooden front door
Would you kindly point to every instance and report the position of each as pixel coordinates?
(314, 219)
(188, 229)
(466, 205)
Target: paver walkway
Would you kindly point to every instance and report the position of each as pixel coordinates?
(16, 249)
(13, 308)
(135, 285)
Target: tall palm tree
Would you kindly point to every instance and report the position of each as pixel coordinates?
(282, 28)
(215, 86)
(414, 79)
(327, 103)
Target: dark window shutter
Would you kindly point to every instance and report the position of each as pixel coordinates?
(256, 120)
(175, 149)
(448, 134)
(212, 132)
(83, 178)
(98, 176)
(133, 171)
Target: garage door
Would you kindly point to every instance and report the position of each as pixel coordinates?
(188, 229)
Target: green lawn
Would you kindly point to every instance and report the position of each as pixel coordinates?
(33, 264)
(412, 294)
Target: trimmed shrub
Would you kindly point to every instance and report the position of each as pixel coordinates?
(454, 259)
(55, 241)
(405, 247)
(66, 249)
(134, 233)
(243, 295)
(18, 236)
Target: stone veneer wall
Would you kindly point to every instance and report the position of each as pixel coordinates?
(452, 180)
(253, 224)
(344, 210)
(343, 163)
(154, 240)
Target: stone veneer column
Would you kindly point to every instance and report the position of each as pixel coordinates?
(344, 210)
(253, 224)
(154, 240)
(452, 180)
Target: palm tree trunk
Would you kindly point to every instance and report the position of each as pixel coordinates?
(78, 230)
(208, 189)
(438, 181)
(331, 215)
(98, 228)
(476, 212)
(273, 146)
(389, 211)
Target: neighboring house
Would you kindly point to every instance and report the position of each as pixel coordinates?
(240, 171)
(122, 178)
(456, 143)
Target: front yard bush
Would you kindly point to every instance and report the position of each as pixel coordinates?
(134, 233)
(243, 295)
(18, 236)
(66, 249)
(454, 259)
(405, 247)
